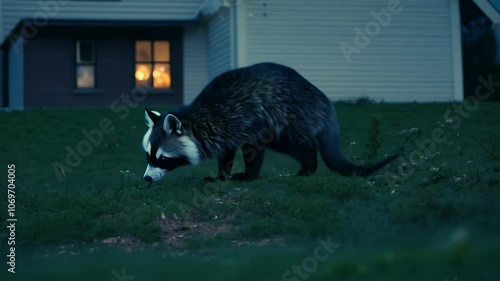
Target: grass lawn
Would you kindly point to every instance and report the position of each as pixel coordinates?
(435, 220)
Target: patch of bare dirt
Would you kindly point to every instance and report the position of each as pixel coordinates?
(175, 232)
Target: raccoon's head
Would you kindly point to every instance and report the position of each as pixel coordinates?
(168, 145)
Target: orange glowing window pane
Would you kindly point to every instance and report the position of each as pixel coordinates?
(162, 51)
(142, 74)
(161, 75)
(143, 51)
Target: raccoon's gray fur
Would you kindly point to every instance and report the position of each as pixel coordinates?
(266, 105)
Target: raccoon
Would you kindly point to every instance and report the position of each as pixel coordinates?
(253, 108)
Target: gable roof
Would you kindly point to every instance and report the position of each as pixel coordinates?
(492, 9)
(22, 29)
(12, 12)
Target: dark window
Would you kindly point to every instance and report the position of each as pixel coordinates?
(152, 64)
(85, 64)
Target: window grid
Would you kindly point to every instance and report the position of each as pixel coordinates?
(153, 72)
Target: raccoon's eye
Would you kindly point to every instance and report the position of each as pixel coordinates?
(163, 158)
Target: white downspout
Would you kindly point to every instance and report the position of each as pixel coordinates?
(238, 29)
(456, 45)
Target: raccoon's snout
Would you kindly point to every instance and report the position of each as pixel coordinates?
(153, 174)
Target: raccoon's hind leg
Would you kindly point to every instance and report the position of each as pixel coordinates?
(225, 166)
(305, 153)
(308, 158)
(253, 155)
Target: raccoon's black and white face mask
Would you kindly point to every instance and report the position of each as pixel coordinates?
(167, 145)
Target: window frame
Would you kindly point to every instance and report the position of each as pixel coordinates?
(153, 61)
(92, 63)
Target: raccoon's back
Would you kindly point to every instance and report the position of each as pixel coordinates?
(241, 103)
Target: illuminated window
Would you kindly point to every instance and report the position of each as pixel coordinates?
(85, 64)
(152, 64)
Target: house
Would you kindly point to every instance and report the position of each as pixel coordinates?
(79, 53)
(82, 53)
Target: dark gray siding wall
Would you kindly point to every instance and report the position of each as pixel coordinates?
(49, 74)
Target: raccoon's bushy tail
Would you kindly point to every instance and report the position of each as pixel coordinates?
(329, 148)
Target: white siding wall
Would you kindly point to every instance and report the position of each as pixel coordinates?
(16, 76)
(195, 61)
(410, 60)
(219, 43)
(1, 20)
(15, 10)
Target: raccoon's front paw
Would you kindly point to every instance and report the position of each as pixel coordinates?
(209, 179)
(220, 177)
(240, 177)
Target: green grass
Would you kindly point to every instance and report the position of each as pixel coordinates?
(442, 219)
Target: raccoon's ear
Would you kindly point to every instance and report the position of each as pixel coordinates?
(172, 124)
(151, 117)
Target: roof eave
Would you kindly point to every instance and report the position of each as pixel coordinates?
(96, 23)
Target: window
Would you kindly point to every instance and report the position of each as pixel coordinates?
(85, 64)
(152, 64)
